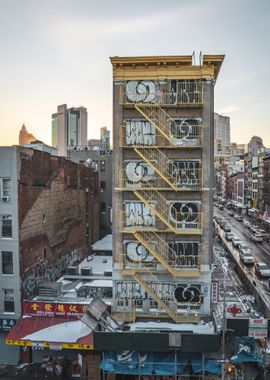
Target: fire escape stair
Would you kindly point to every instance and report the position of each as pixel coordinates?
(162, 165)
(163, 253)
(158, 117)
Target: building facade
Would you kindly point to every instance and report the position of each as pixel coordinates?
(163, 128)
(101, 162)
(69, 128)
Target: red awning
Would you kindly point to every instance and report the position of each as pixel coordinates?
(51, 332)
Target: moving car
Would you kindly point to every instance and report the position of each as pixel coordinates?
(257, 238)
(220, 207)
(243, 247)
(231, 213)
(262, 270)
(236, 241)
(240, 218)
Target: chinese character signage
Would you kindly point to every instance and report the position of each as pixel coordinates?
(214, 291)
(51, 309)
(258, 328)
(7, 324)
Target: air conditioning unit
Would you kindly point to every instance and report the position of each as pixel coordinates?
(5, 199)
(72, 271)
(86, 271)
(50, 289)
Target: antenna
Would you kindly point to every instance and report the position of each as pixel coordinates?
(201, 58)
(193, 58)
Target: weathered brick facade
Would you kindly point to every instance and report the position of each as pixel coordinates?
(58, 215)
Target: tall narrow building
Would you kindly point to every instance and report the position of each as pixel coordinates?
(69, 128)
(163, 138)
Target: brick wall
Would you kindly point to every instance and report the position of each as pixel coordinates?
(58, 215)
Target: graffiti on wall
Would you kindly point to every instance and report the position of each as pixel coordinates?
(185, 215)
(138, 214)
(140, 132)
(136, 252)
(143, 91)
(138, 172)
(185, 131)
(44, 271)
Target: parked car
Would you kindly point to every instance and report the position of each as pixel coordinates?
(262, 232)
(236, 242)
(257, 238)
(220, 207)
(229, 236)
(240, 218)
(227, 228)
(246, 257)
(254, 229)
(243, 247)
(231, 213)
(262, 270)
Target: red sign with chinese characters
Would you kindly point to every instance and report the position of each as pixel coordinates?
(52, 309)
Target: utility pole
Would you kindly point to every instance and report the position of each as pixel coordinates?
(223, 334)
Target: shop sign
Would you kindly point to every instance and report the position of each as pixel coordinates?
(258, 328)
(7, 324)
(214, 291)
(51, 309)
(52, 346)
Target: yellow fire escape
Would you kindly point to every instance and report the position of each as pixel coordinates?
(154, 198)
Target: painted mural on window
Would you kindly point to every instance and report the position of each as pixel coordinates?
(138, 172)
(185, 214)
(137, 214)
(185, 91)
(143, 91)
(175, 294)
(136, 252)
(186, 132)
(140, 132)
(186, 254)
(186, 173)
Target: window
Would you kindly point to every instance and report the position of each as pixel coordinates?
(102, 166)
(6, 226)
(102, 207)
(102, 185)
(5, 189)
(8, 297)
(7, 263)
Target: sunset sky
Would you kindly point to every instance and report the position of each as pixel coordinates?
(57, 51)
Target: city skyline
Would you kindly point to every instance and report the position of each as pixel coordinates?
(54, 55)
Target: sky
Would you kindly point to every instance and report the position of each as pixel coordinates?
(57, 51)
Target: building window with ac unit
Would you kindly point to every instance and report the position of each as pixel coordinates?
(7, 262)
(8, 298)
(6, 227)
(5, 189)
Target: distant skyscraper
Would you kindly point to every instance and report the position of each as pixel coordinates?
(222, 133)
(25, 137)
(255, 146)
(105, 138)
(69, 128)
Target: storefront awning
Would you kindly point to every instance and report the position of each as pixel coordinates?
(54, 333)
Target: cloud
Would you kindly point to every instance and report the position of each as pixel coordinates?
(69, 30)
(228, 109)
